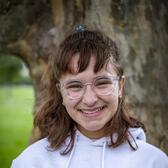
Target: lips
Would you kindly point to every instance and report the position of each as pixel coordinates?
(92, 112)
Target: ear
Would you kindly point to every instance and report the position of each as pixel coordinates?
(121, 86)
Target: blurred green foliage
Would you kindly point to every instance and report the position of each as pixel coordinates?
(10, 70)
(16, 106)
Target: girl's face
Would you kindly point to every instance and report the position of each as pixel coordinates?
(91, 111)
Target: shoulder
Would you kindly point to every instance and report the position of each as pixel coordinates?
(149, 148)
(36, 153)
(37, 147)
(151, 154)
(146, 152)
(146, 155)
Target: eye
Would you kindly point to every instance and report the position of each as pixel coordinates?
(103, 82)
(74, 86)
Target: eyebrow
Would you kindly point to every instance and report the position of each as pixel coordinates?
(72, 81)
(97, 77)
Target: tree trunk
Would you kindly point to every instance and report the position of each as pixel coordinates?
(29, 28)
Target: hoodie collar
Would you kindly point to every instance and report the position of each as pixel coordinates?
(87, 141)
(135, 134)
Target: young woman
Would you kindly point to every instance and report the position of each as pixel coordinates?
(83, 122)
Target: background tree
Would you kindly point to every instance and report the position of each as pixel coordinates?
(29, 29)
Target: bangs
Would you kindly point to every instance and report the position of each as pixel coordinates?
(86, 44)
(86, 50)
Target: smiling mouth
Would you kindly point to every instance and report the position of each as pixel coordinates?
(91, 112)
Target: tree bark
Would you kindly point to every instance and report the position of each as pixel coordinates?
(140, 28)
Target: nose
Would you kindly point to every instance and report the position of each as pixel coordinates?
(89, 97)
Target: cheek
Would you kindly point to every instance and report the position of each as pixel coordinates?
(115, 90)
(70, 108)
(69, 104)
(113, 98)
(112, 101)
(64, 99)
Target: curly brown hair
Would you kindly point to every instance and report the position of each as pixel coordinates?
(52, 119)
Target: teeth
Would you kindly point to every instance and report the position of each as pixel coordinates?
(91, 111)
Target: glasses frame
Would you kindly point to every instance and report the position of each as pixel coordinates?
(62, 85)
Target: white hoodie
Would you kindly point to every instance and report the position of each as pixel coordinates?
(88, 153)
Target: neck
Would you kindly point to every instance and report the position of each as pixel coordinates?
(92, 134)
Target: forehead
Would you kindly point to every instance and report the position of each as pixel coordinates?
(107, 69)
(74, 63)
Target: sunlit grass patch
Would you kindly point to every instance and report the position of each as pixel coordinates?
(16, 107)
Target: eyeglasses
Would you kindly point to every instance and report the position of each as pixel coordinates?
(103, 85)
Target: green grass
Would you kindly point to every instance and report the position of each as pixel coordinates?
(16, 106)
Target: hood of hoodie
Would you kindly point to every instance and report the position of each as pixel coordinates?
(135, 134)
(80, 139)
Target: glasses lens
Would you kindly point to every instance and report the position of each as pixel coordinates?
(105, 85)
(102, 86)
(74, 89)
